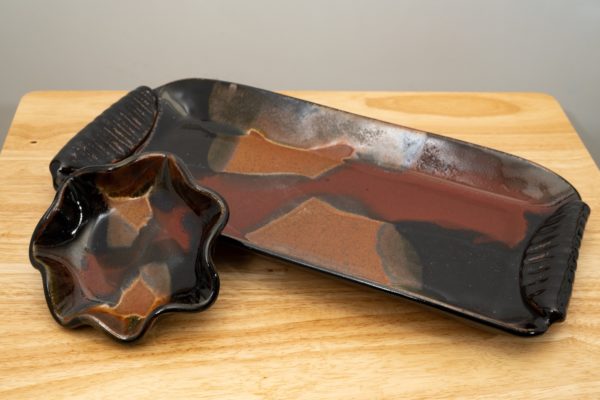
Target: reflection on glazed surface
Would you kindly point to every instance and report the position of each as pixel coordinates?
(443, 222)
(120, 246)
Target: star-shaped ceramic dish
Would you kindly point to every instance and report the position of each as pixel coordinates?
(121, 244)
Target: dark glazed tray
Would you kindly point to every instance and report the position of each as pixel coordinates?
(466, 229)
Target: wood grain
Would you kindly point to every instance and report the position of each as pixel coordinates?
(278, 331)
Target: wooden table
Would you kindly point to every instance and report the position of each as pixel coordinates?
(278, 331)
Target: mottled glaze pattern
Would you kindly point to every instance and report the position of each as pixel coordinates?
(124, 243)
(429, 218)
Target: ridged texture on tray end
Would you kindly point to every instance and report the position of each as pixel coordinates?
(548, 268)
(111, 137)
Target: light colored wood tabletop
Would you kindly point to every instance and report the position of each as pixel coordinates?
(278, 331)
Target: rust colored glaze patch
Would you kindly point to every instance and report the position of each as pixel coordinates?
(122, 244)
(319, 233)
(282, 159)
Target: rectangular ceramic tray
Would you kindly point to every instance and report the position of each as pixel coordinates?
(463, 228)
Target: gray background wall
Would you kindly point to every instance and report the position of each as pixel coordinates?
(462, 45)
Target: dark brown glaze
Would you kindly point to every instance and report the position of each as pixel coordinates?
(429, 218)
(122, 244)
